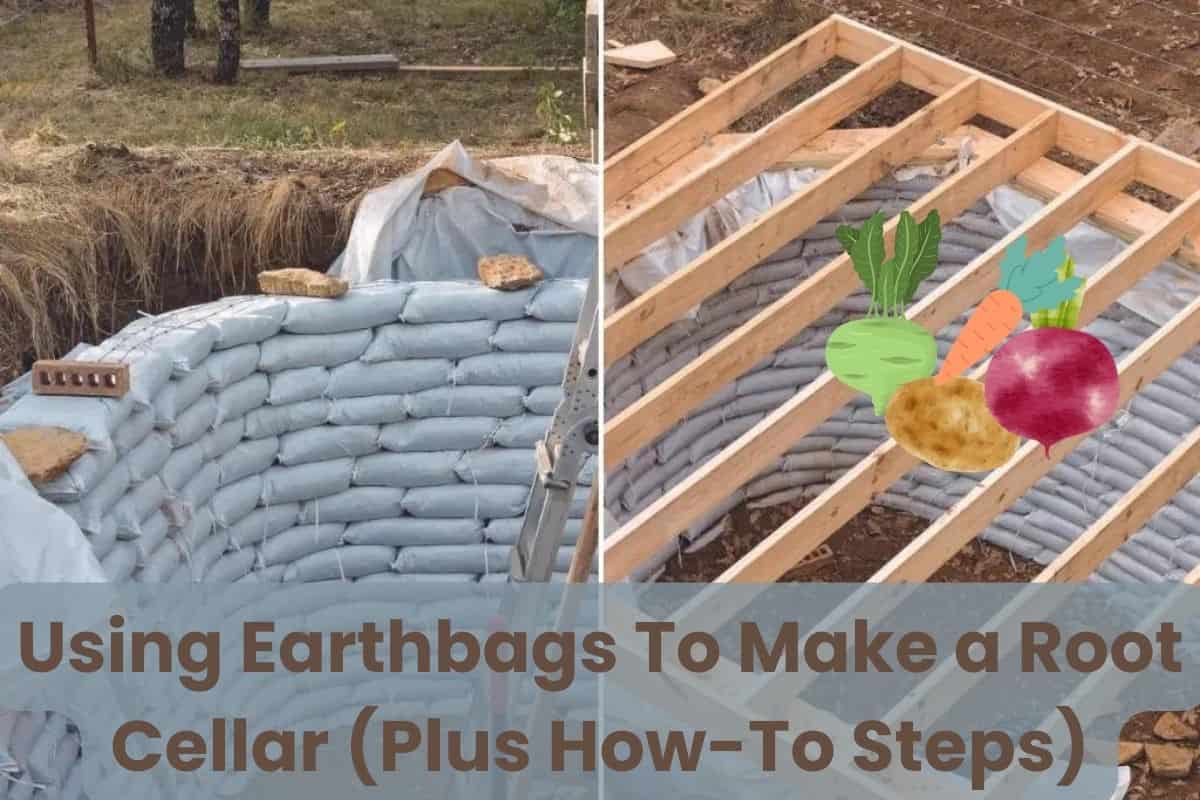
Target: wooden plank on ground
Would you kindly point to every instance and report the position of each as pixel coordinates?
(685, 131)
(384, 62)
(364, 63)
(713, 270)
(481, 69)
(768, 330)
(662, 214)
(748, 455)
(643, 55)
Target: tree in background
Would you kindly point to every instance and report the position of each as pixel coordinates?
(258, 14)
(168, 27)
(189, 18)
(229, 40)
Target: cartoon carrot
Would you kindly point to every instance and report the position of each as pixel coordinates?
(1027, 285)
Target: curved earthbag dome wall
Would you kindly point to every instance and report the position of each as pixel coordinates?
(385, 435)
(1039, 526)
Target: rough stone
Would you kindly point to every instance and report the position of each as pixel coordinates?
(1170, 760)
(45, 453)
(301, 283)
(1171, 728)
(1129, 752)
(508, 272)
(709, 85)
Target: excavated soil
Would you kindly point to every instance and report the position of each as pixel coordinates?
(1134, 64)
(860, 548)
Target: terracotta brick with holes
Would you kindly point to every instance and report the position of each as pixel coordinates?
(80, 378)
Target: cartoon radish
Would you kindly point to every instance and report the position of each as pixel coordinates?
(1053, 382)
(885, 350)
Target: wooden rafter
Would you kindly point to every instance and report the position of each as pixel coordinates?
(960, 93)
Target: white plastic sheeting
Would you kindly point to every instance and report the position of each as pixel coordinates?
(40, 543)
(542, 207)
(1158, 297)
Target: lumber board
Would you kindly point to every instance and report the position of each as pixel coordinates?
(662, 214)
(643, 55)
(1004, 486)
(482, 69)
(683, 132)
(836, 145)
(382, 62)
(824, 152)
(738, 462)
(666, 404)
(363, 63)
(1127, 516)
(1124, 216)
(713, 270)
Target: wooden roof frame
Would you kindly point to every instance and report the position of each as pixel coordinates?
(686, 164)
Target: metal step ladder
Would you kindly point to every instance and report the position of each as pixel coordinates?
(573, 436)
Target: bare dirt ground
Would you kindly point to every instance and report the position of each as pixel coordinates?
(1134, 64)
(860, 548)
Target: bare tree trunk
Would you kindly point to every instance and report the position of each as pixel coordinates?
(168, 25)
(258, 14)
(229, 40)
(189, 18)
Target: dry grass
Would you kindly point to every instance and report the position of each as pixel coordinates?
(45, 84)
(82, 262)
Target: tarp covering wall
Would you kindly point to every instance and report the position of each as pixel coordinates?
(542, 207)
(1039, 526)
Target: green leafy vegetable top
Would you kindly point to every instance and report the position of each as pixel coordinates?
(1036, 279)
(1066, 313)
(893, 282)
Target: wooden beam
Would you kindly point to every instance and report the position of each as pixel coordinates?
(671, 298)
(1125, 216)
(1102, 538)
(818, 520)
(946, 536)
(823, 152)
(364, 63)
(768, 330)
(661, 215)
(748, 455)
(685, 131)
(384, 62)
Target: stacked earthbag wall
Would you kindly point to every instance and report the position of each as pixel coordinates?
(1038, 526)
(384, 435)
